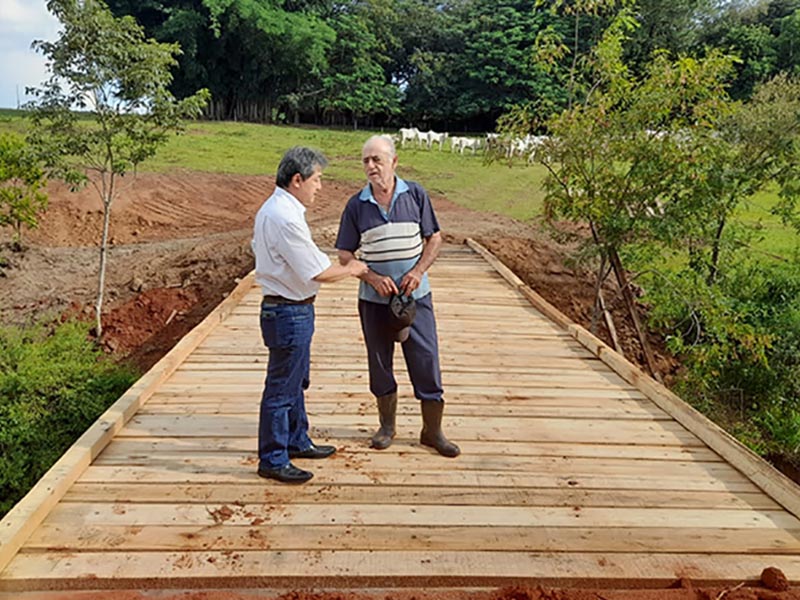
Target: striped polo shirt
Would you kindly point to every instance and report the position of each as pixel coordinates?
(390, 242)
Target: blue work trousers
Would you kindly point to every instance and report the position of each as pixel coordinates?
(287, 330)
(421, 350)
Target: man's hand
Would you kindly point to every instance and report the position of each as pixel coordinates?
(384, 285)
(410, 281)
(357, 268)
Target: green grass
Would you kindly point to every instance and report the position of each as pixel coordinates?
(251, 149)
(773, 237)
(256, 149)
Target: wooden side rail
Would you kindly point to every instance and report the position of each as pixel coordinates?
(774, 483)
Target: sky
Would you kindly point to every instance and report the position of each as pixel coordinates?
(21, 22)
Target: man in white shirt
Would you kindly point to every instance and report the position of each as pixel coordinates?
(289, 269)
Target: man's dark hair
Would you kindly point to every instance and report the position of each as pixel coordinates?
(299, 160)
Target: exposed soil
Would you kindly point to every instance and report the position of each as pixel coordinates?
(767, 589)
(179, 244)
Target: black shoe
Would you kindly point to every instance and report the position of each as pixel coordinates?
(313, 451)
(287, 474)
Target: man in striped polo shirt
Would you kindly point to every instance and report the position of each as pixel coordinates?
(392, 225)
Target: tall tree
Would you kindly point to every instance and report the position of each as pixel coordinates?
(355, 82)
(254, 56)
(106, 68)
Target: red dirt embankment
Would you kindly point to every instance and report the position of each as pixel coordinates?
(179, 242)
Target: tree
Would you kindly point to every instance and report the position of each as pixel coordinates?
(355, 82)
(105, 67)
(753, 146)
(21, 183)
(259, 59)
(620, 160)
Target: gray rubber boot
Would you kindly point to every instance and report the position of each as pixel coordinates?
(432, 434)
(387, 411)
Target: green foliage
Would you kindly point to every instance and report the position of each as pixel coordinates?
(21, 183)
(752, 146)
(106, 66)
(53, 384)
(355, 83)
(763, 35)
(622, 160)
(739, 341)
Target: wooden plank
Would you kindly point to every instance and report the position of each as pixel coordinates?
(265, 568)
(21, 520)
(257, 491)
(777, 485)
(373, 462)
(364, 397)
(519, 409)
(573, 379)
(653, 540)
(157, 445)
(399, 516)
(332, 363)
(179, 472)
(500, 428)
(554, 389)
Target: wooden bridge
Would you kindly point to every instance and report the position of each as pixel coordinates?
(576, 468)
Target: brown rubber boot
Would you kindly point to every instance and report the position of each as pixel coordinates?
(387, 411)
(432, 429)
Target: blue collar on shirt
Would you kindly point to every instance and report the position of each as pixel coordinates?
(366, 195)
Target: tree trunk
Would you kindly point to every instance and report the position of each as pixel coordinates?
(108, 195)
(601, 276)
(630, 302)
(714, 267)
(612, 330)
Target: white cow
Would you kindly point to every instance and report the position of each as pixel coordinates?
(439, 138)
(471, 143)
(411, 134)
(455, 143)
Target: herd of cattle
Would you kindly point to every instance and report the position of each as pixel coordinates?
(511, 147)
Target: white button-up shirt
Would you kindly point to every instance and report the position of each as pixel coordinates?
(287, 259)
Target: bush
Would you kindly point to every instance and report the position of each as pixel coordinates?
(54, 383)
(741, 350)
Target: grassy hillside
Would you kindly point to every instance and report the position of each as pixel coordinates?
(256, 149)
(465, 179)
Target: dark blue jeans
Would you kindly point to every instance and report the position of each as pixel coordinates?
(287, 330)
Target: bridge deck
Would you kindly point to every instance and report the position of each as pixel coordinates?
(569, 473)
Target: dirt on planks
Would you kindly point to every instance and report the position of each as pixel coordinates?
(772, 586)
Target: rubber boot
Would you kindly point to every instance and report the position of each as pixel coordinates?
(432, 429)
(387, 411)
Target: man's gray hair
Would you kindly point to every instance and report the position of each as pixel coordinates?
(300, 160)
(387, 139)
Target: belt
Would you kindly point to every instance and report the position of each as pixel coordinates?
(282, 300)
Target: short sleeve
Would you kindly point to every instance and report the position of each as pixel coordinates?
(428, 223)
(300, 252)
(349, 237)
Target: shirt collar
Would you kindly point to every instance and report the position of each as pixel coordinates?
(282, 193)
(400, 186)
